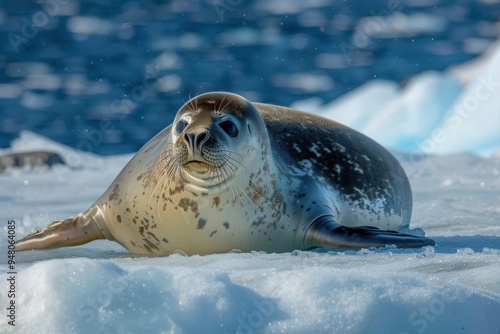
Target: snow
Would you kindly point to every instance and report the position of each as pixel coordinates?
(453, 287)
(300, 292)
(99, 288)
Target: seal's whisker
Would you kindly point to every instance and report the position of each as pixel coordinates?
(192, 104)
(219, 109)
(175, 172)
(226, 157)
(234, 186)
(172, 168)
(219, 174)
(246, 195)
(247, 179)
(257, 194)
(161, 177)
(224, 169)
(165, 156)
(232, 153)
(233, 162)
(229, 168)
(160, 197)
(223, 109)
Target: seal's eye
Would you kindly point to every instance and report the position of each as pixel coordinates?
(181, 125)
(229, 128)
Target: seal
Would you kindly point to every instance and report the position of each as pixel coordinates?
(230, 174)
(30, 158)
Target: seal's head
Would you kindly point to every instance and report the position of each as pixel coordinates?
(217, 137)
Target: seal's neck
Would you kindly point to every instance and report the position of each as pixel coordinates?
(251, 180)
(261, 185)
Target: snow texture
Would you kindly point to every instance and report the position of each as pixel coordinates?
(99, 288)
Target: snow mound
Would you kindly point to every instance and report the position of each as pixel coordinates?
(433, 113)
(298, 292)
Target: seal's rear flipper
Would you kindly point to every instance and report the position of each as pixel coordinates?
(73, 231)
(325, 232)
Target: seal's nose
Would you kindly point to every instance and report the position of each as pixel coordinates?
(196, 140)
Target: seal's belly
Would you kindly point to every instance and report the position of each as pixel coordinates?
(198, 225)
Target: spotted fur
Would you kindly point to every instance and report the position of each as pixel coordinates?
(279, 180)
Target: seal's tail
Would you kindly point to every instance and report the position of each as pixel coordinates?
(73, 231)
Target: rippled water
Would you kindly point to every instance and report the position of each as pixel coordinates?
(105, 76)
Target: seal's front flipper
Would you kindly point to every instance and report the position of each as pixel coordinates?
(325, 232)
(73, 231)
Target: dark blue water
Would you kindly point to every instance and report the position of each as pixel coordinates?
(106, 75)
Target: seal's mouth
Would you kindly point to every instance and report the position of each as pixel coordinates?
(197, 166)
(203, 177)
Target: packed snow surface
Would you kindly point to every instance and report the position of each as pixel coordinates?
(99, 288)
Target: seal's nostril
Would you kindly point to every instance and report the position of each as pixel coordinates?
(201, 138)
(196, 140)
(189, 138)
